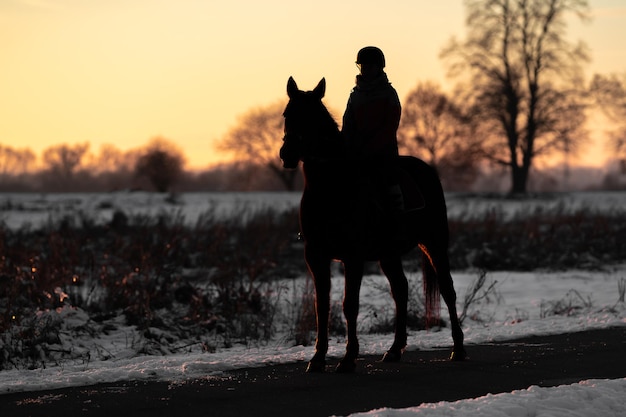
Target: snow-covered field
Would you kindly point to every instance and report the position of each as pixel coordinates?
(591, 398)
(519, 304)
(19, 209)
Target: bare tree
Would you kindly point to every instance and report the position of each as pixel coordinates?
(434, 128)
(257, 138)
(64, 160)
(109, 159)
(15, 162)
(112, 167)
(526, 78)
(162, 163)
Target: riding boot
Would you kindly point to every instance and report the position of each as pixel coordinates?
(395, 201)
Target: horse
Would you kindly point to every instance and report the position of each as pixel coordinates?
(340, 220)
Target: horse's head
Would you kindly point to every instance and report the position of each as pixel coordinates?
(306, 119)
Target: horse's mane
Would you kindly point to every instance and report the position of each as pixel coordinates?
(330, 118)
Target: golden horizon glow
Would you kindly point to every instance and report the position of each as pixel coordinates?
(123, 71)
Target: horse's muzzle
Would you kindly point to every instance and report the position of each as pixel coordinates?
(289, 161)
(290, 164)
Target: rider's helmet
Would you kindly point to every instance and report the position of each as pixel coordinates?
(371, 55)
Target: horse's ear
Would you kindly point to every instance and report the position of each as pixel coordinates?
(292, 87)
(320, 90)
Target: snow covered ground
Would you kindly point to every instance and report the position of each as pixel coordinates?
(19, 209)
(519, 304)
(591, 398)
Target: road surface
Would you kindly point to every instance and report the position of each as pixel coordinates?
(285, 390)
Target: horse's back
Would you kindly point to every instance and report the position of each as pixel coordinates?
(428, 185)
(424, 175)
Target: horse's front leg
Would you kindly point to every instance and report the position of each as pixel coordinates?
(319, 266)
(353, 278)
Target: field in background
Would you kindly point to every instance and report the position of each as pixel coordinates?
(20, 209)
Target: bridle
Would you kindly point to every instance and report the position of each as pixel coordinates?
(304, 150)
(291, 151)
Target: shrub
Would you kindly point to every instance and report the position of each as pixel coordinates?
(214, 277)
(553, 239)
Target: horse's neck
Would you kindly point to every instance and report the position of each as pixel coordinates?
(324, 175)
(326, 165)
(334, 179)
(329, 145)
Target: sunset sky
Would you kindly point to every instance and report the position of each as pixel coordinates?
(123, 71)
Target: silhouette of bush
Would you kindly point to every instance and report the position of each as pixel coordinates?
(553, 239)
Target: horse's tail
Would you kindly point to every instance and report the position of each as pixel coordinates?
(432, 299)
(435, 226)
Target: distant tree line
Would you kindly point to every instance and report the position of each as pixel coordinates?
(67, 168)
(159, 166)
(72, 168)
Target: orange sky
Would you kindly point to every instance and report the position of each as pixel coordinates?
(123, 71)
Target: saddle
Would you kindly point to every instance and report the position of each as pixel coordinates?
(374, 193)
(368, 214)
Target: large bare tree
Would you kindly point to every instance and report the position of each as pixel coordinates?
(526, 79)
(257, 138)
(435, 128)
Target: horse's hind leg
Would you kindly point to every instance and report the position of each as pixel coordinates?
(353, 278)
(446, 288)
(392, 268)
(319, 265)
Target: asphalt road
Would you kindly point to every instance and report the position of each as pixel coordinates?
(285, 390)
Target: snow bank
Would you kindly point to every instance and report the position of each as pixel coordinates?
(601, 398)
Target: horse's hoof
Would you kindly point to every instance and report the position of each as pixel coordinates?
(458, 356)
(346, 366)
(392, 356)
(316, 367)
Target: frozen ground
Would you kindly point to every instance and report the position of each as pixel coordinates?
(519, 304)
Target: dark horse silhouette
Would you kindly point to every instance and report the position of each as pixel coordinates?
(341, 219)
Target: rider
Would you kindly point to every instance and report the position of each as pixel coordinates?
(370, 123)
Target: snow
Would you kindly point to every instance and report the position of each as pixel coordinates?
(602, 398)
(518, 305)
(19, 209)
